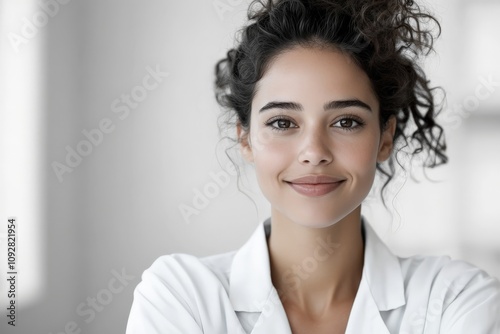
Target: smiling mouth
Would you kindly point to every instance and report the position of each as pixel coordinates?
(315, 189)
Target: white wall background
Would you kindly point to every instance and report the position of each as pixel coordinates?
(118, 209)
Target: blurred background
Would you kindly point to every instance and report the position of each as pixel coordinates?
(111, 154)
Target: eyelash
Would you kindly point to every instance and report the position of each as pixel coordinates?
(360, 123)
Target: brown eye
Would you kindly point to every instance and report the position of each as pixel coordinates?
(349, 123)
(280, 124)
(283, 123)
(346, 123)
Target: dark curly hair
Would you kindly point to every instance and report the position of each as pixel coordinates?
(384, 37)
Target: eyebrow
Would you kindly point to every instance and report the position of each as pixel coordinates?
(340, 104)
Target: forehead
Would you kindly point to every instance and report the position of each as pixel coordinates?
(314, 74)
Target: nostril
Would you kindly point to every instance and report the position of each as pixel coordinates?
(322, 161)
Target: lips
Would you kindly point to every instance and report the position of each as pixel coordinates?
(315, 185)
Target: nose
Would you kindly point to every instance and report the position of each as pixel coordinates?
(316, 149)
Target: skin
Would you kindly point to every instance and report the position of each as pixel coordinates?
(317, 286)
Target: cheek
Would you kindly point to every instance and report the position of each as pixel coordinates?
(366, 157)
(360, 156)
(271, 153)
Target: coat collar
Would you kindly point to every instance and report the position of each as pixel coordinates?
(250, 281)
(251, 288)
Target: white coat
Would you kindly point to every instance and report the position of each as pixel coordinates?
(233, 293)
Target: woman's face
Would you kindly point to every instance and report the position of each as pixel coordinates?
(315, 114)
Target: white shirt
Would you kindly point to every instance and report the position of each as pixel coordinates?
(233, 293)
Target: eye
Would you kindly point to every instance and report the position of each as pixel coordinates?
(349, 123)
(280, 124)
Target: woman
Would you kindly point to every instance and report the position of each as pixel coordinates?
(322, 91)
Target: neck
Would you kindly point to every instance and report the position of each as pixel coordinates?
(314, 269)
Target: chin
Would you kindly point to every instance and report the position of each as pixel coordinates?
(320, 217)
(318, 220)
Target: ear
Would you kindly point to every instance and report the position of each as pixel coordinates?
(244, 141)
(386, 140)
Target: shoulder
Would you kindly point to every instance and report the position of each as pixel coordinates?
(184, 272)
(217, 265)
(176, 292)
(454, 275)
(451, 294)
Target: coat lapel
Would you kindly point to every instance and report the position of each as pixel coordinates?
(253, 295)
(273, 317)
(381, 287)
(251, 288)
(365, 316)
